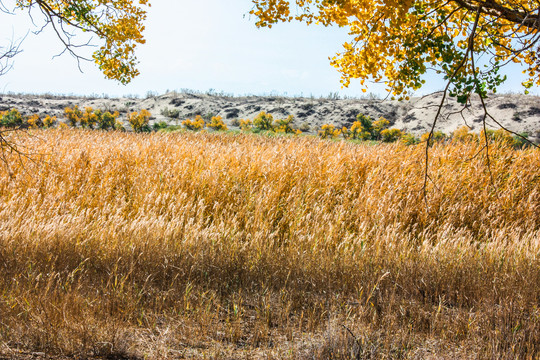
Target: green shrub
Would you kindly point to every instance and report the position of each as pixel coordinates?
(160, 125)
(520, 142)
(11, 118)
(367, 124)
(171, 113)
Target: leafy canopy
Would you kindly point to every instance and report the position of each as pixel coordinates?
(399, 41)
(117, 24)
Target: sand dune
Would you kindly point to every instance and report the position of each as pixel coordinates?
(520, 113)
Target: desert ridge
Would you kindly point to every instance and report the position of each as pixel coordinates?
(516, 112)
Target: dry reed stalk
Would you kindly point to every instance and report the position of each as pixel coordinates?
(184, 245)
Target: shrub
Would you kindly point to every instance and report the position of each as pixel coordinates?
(329, 131)
(285, 126)
(139, 121)
(409, 139)
(304, 126)
(106, 120)
(502, 136)
(49, 121)
(346, 133)
(263, 121)
(208, 117)
(73, 116)
(119, 125)
(438, 136)
(520, 142)
(217, 124)
(90, 117)
(235, 122)
(357, 132)
(11, 118)
(34, 121)
(194, 125)
(160, 125)
(378, 127)
(463, 134)
(172, 113)
(367, 124)
(391, 135)
(246, 125)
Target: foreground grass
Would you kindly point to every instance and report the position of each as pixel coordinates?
(228, 246)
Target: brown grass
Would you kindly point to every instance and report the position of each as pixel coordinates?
(243, 246)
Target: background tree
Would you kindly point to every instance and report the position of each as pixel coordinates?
(399, 41)
(115, 27)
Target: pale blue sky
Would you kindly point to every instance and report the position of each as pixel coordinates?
(199, 45)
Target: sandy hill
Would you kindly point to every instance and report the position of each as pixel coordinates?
(520, 113)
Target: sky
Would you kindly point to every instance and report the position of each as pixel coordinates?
(198, 45)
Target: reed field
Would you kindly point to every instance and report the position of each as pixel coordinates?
(241, 246)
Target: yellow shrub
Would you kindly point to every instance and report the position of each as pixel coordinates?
(379, 126)
(285, 126)
(194, 125)
(463, 134)
(391, 135)
(246, 125)
(106, 120)
(118, 125)
(89, 117)
(503, 136)
(357, 131)
(216, 123)
(33, 121)
(264, 121)
(49, 121)
(139, 120)
(73, 116)
(346, 133)
(329, 132)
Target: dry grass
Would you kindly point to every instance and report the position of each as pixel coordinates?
(242, 246)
